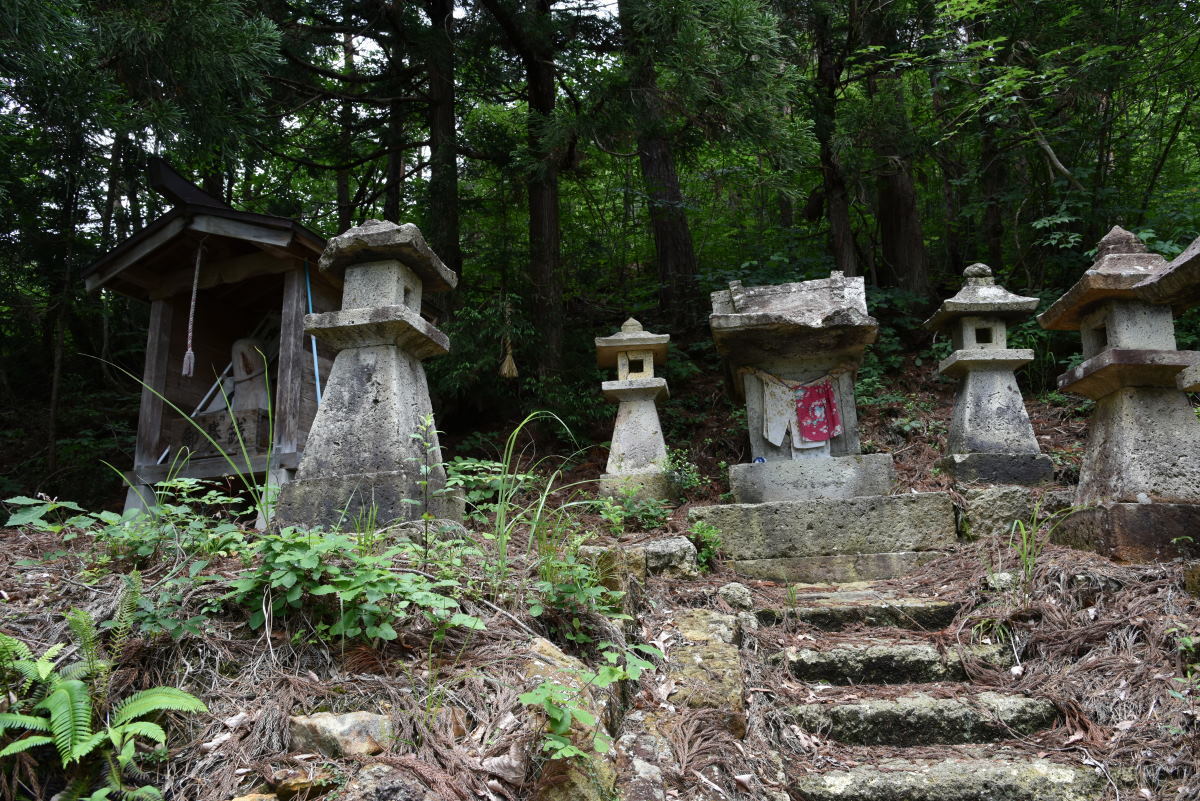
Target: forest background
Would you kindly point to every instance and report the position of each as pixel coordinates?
(577, 163)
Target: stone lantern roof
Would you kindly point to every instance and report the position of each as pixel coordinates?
(1122, 262)
(631, 337)
(1178, 283)
(753, 324)
(379, 240)
(980, 296)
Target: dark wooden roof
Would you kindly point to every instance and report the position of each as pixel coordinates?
(147, 264)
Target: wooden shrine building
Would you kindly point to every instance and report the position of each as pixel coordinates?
(235, 286)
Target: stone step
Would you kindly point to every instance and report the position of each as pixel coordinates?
(960, 778)
(919, 718)
(880, 662)
(861, 604)
(834, 539)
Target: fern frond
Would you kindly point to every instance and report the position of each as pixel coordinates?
(70, 708)
(142, 728)
(86, 637)
(156, 699)
(13, 720)
(122, 623)
(11, 649)
(75, 790)
(85, 747)
(76, 670)
(24, 744)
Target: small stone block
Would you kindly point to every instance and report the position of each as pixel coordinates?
(999, 468)
(1189, 379)
(650, 484)
(812, 479)
(383, 325)
(1134, 532)
(958, 363)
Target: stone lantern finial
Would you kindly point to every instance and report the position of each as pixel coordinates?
(631, 326)
(1118, 240)
(979, 274)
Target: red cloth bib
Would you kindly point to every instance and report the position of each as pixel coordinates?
(817, 413)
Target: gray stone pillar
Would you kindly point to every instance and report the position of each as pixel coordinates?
(990, 438)
(638, 455)
(370, 455)
(1140, 476)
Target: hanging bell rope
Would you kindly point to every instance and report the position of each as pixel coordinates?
(189, 358)
(508, 367)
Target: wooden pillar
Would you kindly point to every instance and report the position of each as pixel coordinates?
(150, 413)
(291, 364)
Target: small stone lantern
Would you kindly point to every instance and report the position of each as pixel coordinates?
(638, 456)
(991, 438)
(1141, 472)
(370, 454)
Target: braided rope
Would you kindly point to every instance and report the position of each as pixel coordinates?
(189, 358)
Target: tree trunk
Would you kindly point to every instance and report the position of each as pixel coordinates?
(544, 233)
(901, 242)
(824, 102)
(394, 175)
(992, 169)
(675, 254)
(442, 223)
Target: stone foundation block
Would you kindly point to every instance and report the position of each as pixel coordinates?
(877, 524)
(1134, 532)
(837, 569)
(992, 511)
(999, 468)
(812, 479)
(347, 502)
(650, 484)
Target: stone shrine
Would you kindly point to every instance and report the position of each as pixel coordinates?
(811, 507)
(1140, 477)
(363, 460)
(637, 457)
(776, 340)
(990, 438)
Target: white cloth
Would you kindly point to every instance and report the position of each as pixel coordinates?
(779, 416)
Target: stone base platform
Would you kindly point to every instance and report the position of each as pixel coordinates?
(650, 484)
(839, 477)
(999, 468)
(834, 540)
(351, 502)
(1134, 532)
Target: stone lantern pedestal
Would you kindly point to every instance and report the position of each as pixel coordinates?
(638, 455)
(363, 461)
(1140, 478)
(990, 438)
(811, 506)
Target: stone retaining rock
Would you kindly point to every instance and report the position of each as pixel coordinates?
(352, 734)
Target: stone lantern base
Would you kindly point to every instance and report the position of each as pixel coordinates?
(351, 502)
(1134, 532)
(999, 468)
(647, 484)
(812, 479)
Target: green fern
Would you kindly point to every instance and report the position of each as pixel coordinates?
(70, 707)
(87, 638)
(156, 699)
(24, 744)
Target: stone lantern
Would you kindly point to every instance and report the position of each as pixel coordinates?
(373, 451)
(991, 438)
(1140, 476)
(810, 506)
(638, 456)
(775, 340)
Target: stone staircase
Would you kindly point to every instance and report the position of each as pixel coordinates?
(910, 725)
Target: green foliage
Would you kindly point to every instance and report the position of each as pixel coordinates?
(54, 706)
(683, 473)
(480, 482)
(707, 539)
(342, 591)
(631, 510)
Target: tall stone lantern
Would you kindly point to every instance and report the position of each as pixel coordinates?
(991, 438)
(638, 456)
(373, 451)
(1140, 477)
